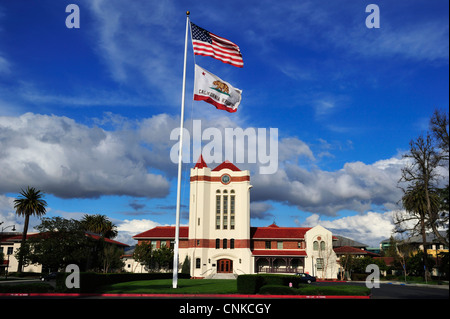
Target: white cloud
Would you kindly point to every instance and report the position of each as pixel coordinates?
(370, 228)
(357, 186)
(7, 212)
(67, 159)
(129, 228)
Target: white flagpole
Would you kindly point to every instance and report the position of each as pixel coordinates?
(180, 157)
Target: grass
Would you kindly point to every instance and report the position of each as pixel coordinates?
(217, 286)
(164, 286)
(338, 290)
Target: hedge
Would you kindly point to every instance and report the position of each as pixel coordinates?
(26, 288)
(251, 284)
(277, 290)
(91, 282)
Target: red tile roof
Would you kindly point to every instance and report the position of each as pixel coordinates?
(97, 237)
(270, 232)
(389, 261)
(273, 231)
(163, 232)
(226, 164)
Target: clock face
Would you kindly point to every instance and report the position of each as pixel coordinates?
(225, 179)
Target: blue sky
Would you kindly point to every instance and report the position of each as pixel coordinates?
(86, 114)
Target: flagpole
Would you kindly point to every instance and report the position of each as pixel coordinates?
(180, 157)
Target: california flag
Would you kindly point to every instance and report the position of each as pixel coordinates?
(213, 90)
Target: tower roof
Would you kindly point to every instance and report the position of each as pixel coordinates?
(226, 164)
(200, 163)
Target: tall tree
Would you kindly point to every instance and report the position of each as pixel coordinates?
(417, 204)
(29, 203)
(439, 129)
(439, 126)
(99, 224)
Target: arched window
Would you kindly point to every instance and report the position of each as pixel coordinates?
(322, 245)
(225, 244)
(315, 245)
(232, 208)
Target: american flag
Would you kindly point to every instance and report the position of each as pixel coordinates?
(208, 44)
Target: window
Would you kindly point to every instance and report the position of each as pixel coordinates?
(225, 211)
(218, 211)
(197, 263)
(225, 243)
(268, 245)
(217, 243)
(232, 243)
(319, 263)
(232, 199)
(316, 245)
(153, 243)
(279, 245)
(322, 245)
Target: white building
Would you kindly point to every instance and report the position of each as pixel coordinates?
(219, 238)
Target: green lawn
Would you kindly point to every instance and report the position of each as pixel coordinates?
(164, 286)
(217, 286)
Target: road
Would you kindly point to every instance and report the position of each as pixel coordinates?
(401, 291)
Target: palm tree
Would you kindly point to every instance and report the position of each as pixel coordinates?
(99, 224)
(29, 203)
(416, 203)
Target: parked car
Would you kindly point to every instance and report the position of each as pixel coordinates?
(50, 276)
(306, 278)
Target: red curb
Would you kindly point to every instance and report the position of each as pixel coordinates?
(180, 296)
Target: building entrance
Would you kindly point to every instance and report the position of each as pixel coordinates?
(224, 266)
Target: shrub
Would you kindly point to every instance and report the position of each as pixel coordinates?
(26, 288)
(281, 280)
(277, 290)
(249, 284)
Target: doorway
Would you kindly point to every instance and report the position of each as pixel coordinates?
(224, 266)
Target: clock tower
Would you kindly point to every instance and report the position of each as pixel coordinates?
(219, 220)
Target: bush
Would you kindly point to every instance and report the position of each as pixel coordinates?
(251, 284)
(281, 280)
(26, 288)
(277, 290)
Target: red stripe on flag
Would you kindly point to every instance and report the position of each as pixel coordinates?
(213, 102)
